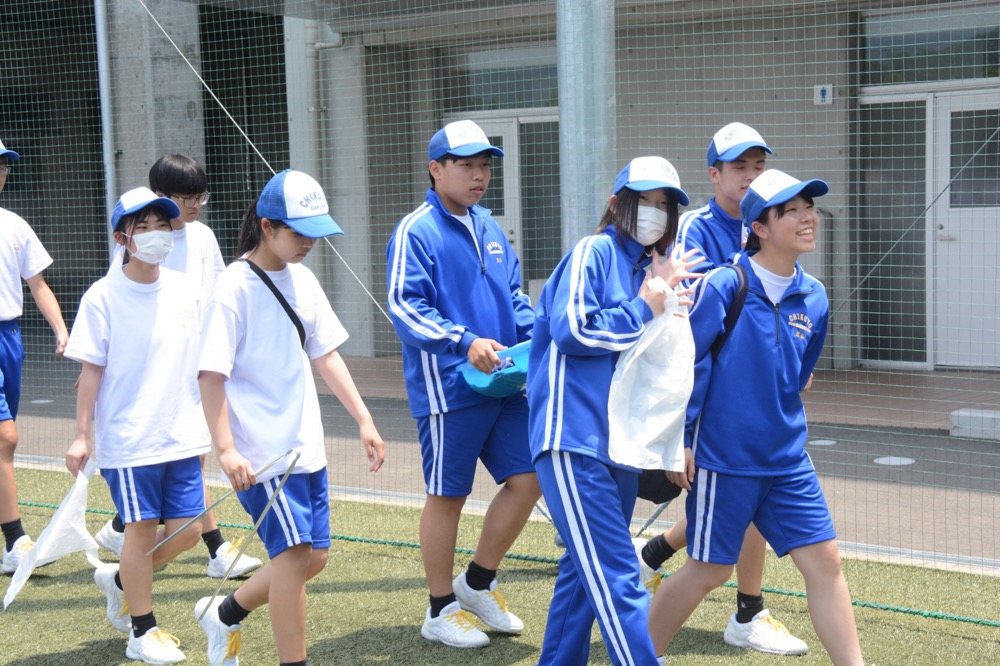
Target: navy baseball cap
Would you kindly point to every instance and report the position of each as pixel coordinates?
(297, 200)
(775, 187)
(461, 138)
(135, 200)
(732, 141)
(650, 173)
(9, 154)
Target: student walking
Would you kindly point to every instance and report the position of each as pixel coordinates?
(596, 305)
(455, 295)
(22, 257)
(746, 432)
(266, 322)
(195, 253)
(136, 336)
(736, 155)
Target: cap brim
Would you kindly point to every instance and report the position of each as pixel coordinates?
(10, 154)
(164, 204)
(471, 149)
(813, 188)
(740, 148)
(316, 226)
(647, 185)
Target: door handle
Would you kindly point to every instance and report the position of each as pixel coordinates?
(943, 237)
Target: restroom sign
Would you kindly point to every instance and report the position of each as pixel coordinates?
(823, 94)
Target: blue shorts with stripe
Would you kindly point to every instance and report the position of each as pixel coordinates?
(299, 514)
(790, 511)
(11, 358)
(163, 490)
(591, 505)
(495, 432)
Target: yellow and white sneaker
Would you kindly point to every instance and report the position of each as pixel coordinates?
(224, 556)
(454, 628)
(764, 634)
(154, 647)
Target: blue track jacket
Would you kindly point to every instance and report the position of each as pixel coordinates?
(715, 235)
(754, 422)
(443, 294)
(587, 314)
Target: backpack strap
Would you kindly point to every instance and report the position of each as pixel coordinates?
(735, 308)
(281, 299)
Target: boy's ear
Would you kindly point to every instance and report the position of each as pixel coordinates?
(435, 169)
(161, 194)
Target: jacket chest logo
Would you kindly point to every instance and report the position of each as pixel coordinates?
(802, 324)
(493, 247)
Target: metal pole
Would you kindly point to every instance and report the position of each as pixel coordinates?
(107, 109)
(585, 43)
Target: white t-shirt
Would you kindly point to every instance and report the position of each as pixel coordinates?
(196, 253)
(145, 336)
(21, 257)
(248, 338)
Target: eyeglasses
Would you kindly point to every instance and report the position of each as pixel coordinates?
(195, 199)
(4, 170)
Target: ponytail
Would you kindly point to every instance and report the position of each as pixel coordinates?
(251, 232)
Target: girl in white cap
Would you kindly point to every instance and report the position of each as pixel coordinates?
(746, 426)
(596, 305)
(265, 321)
(136, 334)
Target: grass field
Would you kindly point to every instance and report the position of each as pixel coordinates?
(367, 606)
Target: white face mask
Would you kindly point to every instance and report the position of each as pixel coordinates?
(650, 223)
(153, 247)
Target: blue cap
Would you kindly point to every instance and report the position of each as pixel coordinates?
(142, 197)
(461, 138)
(732, 141)
(9, 154)
(775, 187)
(650, 173)
(297, 200)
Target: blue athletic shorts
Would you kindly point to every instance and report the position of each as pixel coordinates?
(165, 490)
(790, 512)
(300, 514)
(495, 432)
(11, 357)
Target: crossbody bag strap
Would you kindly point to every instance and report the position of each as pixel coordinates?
(735, 308)
(281, 299)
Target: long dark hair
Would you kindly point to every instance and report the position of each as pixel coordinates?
(623, 218)
(251, 233)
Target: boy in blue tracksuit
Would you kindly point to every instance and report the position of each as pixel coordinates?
(594, 306)
(454, 296)
(746, 433)
(736, 155)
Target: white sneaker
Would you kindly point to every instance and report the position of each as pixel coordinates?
(454, 628)
(108, 538)
(223, 640)
(651, 578)
(224, 556)
(12, 558)
(764, 634)
(488, 605)
(154, 647)
(117, 609)
(661, 661)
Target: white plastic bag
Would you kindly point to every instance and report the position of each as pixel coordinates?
(649, 394)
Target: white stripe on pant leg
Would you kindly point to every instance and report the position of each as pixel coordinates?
(583, 546)
(704, 507)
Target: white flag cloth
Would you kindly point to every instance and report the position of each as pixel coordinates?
(66, 533)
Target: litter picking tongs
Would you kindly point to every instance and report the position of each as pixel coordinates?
(267, 507)
(221, 499)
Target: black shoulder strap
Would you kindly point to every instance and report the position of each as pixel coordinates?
(281, 299)
(735, 308)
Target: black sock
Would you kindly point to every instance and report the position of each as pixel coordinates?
(656, 552)
(12, 531)
(304, 662)
(142, 623)
(747, 606)
(213, 539)
(118, 580)
(230, 612)
(438, 603)
(117, 524)
(479, 578)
